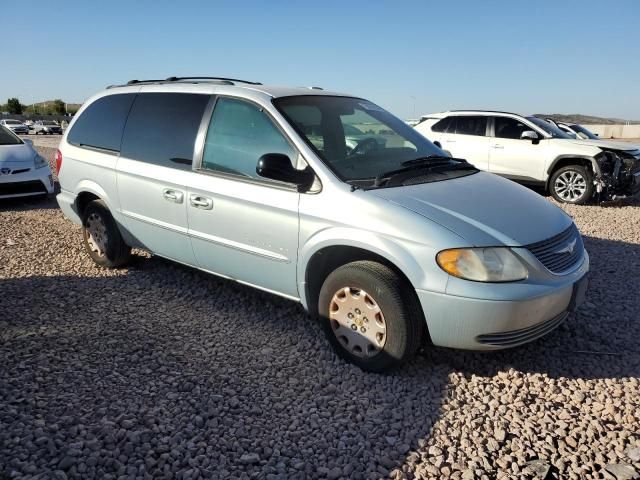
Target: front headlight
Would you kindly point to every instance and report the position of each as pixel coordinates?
(40, 161)
(495, 264)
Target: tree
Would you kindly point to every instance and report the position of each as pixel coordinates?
(59, 107)
(14, 106)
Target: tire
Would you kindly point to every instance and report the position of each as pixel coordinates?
(102, 239)
(577, 176)
(370, 285)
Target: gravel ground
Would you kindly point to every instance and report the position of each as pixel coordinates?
(158, 370)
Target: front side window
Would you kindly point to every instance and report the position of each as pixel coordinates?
(162, 128)
(506, 127)
(357, 139)
(443, 126)
(471, 125)
(549, 129)
(239, 134)
(101, 123)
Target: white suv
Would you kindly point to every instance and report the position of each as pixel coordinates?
(532, 151)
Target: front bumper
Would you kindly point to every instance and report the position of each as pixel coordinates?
(498, 321)
(24, 181)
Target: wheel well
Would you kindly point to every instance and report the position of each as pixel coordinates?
(83, 200)
(325, 261)
(564, 162)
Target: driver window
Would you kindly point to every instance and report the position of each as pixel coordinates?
(506, 127)
(239, 134)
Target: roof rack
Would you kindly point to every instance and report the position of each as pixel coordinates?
(224, 79)
(227, 81)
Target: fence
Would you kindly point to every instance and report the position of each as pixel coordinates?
(615, 131)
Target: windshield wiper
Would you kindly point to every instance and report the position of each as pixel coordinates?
(430, 163)
(430, 159)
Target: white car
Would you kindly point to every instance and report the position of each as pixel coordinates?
(16, 126)
(531, 151)
(23, 172)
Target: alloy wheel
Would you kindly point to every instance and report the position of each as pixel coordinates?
(570, 186)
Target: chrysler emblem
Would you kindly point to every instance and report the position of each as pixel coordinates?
(5, 171)
(568, 248)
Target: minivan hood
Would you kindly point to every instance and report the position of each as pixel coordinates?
(484, 209)
(22, 153)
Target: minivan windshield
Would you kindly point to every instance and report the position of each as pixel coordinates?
(359, 140)
(550, 129)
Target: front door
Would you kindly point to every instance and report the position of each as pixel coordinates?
(513, 157)
(243, 226)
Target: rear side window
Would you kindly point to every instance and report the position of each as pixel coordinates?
(102, 122)
(162, 128)
(442, 126)
(471, 125)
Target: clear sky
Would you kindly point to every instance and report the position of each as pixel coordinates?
(530, 57)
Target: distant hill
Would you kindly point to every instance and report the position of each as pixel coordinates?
(585, 119)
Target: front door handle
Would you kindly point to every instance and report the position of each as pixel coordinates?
(172, 195)
(201, 202)
(497, 146)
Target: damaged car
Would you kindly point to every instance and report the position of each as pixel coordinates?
(533, 152)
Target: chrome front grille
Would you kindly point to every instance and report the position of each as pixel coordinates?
(561, 252)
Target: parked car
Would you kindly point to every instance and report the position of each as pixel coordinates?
(46, 127)
(23, 172)
(386, 244)
(534, 152)
(574, 130)
(16, 126)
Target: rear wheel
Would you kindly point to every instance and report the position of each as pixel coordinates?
(572, 184)
(370, 315)
(102, 239)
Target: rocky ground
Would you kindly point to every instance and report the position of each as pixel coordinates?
(160, 370)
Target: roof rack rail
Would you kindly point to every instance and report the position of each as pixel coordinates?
(224, 79)
(133, 82)
(228, 81)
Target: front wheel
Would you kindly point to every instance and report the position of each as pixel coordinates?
(102, 239)
(370, 315)
(572, 184)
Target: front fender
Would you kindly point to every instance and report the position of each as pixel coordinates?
(391, 250)
(594, 163)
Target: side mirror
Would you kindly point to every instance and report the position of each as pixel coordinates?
(277, 166)
(528, 135)
(596, 135)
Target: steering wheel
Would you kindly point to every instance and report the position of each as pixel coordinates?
(364, 146)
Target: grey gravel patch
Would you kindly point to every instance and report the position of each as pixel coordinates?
(159, 370)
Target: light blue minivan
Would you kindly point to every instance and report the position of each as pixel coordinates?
(326, 199)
